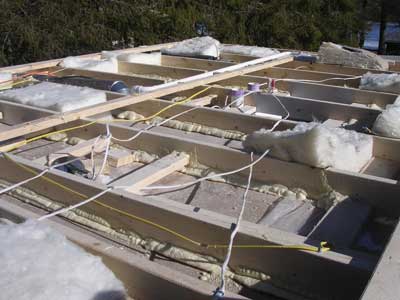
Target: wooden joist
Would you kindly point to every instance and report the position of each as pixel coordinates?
(153, 172)
(44, 123)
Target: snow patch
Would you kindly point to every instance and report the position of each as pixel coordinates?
(315, 145)
(54, 96)
(37, 262)
(153, 58)
(389, 83)
(199, 46)
(248, 50)
(109, 65)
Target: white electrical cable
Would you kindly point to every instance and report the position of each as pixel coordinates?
(106, 153)
(11, 187)
(63, 210)
(235, 229)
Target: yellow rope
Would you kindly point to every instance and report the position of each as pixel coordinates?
(323, 245)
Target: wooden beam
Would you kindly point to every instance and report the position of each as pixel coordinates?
(138, 273)
(162, 71)
(349, 272)
(54, 62)
(329, 68)
(44, 123)
(153, 172)
(118, 157)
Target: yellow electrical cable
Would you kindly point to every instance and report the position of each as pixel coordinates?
(24, 142)
(324, 247)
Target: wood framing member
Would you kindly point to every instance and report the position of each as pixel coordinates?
(167, 72)
(139, 275)
(153, 172)
(54, 62)
(287, 267)
(329, 68)
(44, 123)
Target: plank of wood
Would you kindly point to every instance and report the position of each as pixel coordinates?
(208, 227)
(153, 172)
(342, 223)
(54, 62)
(119, 157)
(47, 122)
(78, 150)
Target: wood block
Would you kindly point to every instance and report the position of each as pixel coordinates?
(153, 172)
(342, 223)
(118, 158)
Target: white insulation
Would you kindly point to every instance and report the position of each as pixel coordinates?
(315, 145)
(389, 83)
(199, 46)
(248, 50)
(153, 58)
(388, 122)
(54, 96)
(110, 65)
(39, 263)
(5, 76)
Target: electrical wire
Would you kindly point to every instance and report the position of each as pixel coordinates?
(221, 289)
(323, 247)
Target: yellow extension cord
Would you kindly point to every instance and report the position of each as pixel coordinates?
(323, 245)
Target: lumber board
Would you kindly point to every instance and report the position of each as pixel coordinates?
(153, 172)
(78, 150)
(365, 187)
(168, 72)
(53, 62)
(330, 68)
(119, 157)
(129, 80)
(138, 274)
(209, 227)
(47, 122)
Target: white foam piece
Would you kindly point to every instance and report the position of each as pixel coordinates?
(37, 262)
(110, 65)
(389, 83)
(153, 58)
(315, 145)
(54, 96)
(199, 46)
(5, 76)
(248, 50)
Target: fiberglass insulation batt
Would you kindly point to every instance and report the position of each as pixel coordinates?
(389, 83)
(388, 122)
(199, 46)
(54, 96)
(108, 66)
(248, 50)
(153, 58)
(39, 263)
(315, 145)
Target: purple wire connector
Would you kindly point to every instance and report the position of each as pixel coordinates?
(253, 86)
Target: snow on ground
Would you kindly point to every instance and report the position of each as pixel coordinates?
(37, 262)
